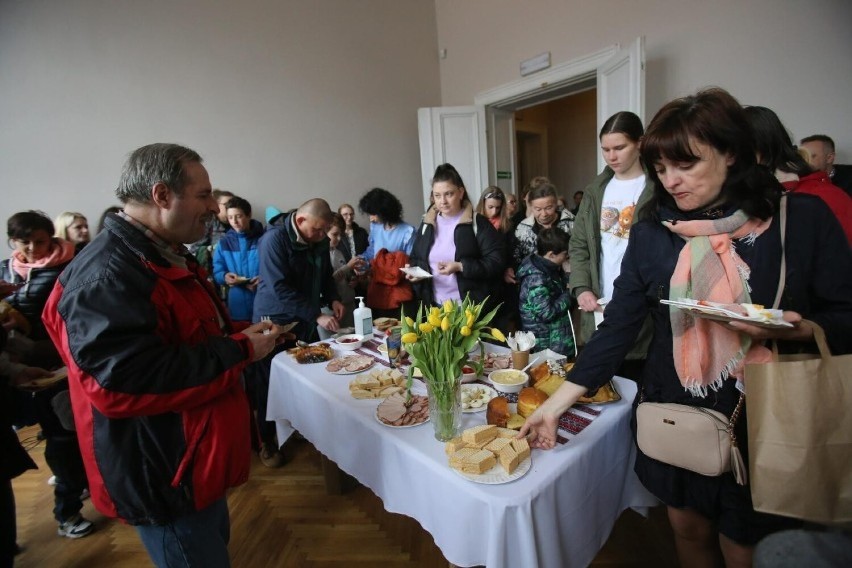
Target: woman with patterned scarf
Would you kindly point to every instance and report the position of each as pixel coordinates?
(711, 232)
(36, 262)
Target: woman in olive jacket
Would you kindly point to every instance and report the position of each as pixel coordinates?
(611, 203)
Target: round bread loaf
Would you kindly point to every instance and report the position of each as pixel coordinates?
(529, 399)
(498, 411)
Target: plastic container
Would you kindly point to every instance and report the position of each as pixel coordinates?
(363, 318)
(394, 344)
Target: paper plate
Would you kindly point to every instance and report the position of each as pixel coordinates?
(497, 475)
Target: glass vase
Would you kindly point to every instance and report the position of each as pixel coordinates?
(445, 407)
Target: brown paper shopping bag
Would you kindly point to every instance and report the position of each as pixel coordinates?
(800, 435)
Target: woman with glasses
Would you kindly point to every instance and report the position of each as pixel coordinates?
(355, 238)
(543, 213)
(608, 208)
(511, 205)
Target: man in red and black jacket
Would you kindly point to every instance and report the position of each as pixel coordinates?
(154, 366)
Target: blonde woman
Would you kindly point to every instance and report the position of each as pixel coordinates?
(73, 227)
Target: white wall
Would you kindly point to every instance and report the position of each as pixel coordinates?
(792, 56)
(285, 100)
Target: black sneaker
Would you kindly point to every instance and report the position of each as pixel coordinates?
(76, 527)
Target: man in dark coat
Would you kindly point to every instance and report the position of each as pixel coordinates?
(295, 283)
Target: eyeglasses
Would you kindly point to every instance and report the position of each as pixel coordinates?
(494, 195)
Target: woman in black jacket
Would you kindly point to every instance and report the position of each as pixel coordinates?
(460, 248)
(355, 238)
(714, 209)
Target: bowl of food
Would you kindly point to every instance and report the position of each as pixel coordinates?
(508, 380)
(349, 342)
(468, 374)
(312, 353)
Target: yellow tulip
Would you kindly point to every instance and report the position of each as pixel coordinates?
(434, 311)
(410, 322)
(409, 337)
(449, 305)
(435, 320)
(468, 313)
(470, 320)
(498, 335)
(445, 323)
(426, 327)
(465, 330)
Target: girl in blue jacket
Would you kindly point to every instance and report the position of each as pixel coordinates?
(235, 260)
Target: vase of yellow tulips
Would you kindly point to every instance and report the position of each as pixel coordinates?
(439, 341)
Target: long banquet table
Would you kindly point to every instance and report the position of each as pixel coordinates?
(559, 514)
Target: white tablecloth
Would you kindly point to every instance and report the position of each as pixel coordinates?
(558, 514)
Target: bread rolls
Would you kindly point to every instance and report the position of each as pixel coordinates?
(539, 372)
(529, 399)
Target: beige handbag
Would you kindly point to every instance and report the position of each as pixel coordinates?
(691, 437)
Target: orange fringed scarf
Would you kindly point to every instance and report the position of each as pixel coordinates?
(709, 268)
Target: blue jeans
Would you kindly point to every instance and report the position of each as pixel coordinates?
(199, 539)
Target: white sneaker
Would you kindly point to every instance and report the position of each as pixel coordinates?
(76, 527)
(51, 480)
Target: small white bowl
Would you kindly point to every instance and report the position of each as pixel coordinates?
(468, 377)
(349, 342)
(508, 380)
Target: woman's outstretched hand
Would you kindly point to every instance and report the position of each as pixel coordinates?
(540, 427)
(540, 430)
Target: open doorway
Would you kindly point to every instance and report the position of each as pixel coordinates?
(480, 140)
(556, 139)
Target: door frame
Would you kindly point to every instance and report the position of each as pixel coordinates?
(554, 83)
(547, 85)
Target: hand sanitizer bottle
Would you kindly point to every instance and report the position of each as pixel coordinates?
(363, 318)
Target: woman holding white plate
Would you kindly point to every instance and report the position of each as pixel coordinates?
(460, 248)
(712, 232)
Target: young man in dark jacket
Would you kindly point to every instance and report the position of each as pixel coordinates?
(153, 366)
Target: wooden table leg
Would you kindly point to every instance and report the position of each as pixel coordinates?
(334, 477)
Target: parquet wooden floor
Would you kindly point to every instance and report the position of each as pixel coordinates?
(284, 518)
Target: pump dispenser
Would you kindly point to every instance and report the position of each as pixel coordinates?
(363, 318)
